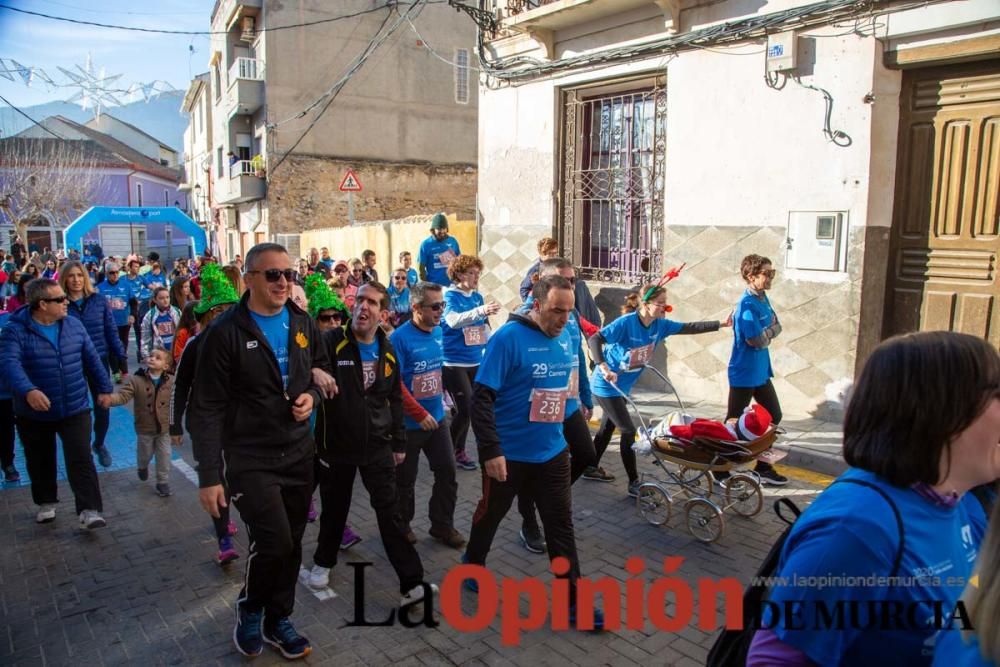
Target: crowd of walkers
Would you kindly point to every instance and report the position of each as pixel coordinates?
(298, 375)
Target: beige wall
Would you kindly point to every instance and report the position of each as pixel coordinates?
(387, 239)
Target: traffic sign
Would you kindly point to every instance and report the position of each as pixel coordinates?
(350, 182)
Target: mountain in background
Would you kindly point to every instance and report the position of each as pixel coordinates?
(161, 117)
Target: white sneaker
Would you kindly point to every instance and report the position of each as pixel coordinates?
(91, 519)
(46, 514)
(416, 594)
(319, 577)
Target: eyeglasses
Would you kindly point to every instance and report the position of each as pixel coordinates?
(111, 273)
(436, 307)
(340, 270)
(355, 270)
(399, 277)
(55, 299)
(274, 275)
(328, 318)
(770, 273)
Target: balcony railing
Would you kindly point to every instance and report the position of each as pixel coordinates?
(244, 168)
(246, 68)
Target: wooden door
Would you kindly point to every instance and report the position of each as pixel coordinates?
(946, 221)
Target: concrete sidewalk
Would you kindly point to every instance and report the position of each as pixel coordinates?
(812, 444)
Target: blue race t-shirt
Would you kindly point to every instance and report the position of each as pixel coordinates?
(138, 287)
(419, 355)
(463, 345)
(165, 326)
(51, 332)
(850, 531)
(153, 280)
(276, 330)
(528, 371)
(750, 366)
(952, 649)
(412, 277)
(369, 361)
(580, 381)
(435, 256)
(118, 296)
(399, 301)
(629, 347)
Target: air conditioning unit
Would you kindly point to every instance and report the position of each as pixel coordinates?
(249, 26)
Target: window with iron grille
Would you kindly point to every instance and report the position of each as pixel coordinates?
(614, 155)
(462, 76)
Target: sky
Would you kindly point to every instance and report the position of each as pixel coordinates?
(139, 57)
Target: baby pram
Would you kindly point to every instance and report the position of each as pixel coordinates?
(696, 461)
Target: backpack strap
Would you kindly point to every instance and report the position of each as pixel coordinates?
(895, 510)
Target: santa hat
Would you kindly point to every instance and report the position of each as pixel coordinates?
(753, 423)
(702, 428)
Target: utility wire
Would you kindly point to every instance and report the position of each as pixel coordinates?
(389, 3)
(373, 46)
(17, 109)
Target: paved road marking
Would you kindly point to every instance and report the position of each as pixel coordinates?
(186, 470)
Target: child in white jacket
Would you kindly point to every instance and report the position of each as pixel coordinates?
(159, 326)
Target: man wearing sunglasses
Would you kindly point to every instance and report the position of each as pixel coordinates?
(49, 359)
(418, 346)
(252, 398)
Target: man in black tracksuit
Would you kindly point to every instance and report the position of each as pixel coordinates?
(361, 429)
(252, 397)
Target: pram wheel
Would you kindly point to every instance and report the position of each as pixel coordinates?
(743, 494)
(654, 503)
(704, 520)
(694, 483)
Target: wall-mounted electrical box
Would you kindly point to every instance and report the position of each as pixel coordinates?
(815, 240)
(781, 48)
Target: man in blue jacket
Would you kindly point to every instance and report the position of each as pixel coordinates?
(49, 358)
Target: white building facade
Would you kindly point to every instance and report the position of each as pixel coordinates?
(645, 134)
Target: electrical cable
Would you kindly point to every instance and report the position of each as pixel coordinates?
(389, 3)
(838, 137)
(435, 53)
(373, 46)
(18, 110)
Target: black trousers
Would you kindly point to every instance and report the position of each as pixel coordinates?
(102, 416)
(221, 525)
(336, 484)
(581, 456)
(458, 381)
(739, 398)
(6, 432)
(549, 484)
(121, 365)
(39, 441)
(616, 414)
(272, 497)
(436, 446)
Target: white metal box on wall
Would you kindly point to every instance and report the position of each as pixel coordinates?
(815, 240)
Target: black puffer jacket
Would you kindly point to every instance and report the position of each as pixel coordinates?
(358, 426)
(238, 399)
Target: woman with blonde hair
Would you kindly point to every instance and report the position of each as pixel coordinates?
(94, 311)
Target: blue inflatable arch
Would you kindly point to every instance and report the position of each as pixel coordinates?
(151, 215)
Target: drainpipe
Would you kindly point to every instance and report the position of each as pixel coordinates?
(128, 192)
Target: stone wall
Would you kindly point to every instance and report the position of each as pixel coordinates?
(303, 194)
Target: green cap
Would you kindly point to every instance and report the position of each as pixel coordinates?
(320, 296)
(439, 221)
(216, 289)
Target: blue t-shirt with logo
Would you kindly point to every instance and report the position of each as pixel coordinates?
(434, 258)
(276, 330)
(458, 349)
(629, 345)
(582, 380)
(118, 296)
(138, 287)
(850, 531)
(520, 359)
(369, 361)
(750, 366)
(419, 355)
(153, 280)
(412, 277)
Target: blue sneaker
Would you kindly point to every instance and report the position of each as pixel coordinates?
(598, 619)
(469, 584)
(247, 633)
(282, 635)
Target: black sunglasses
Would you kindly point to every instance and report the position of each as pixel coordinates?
(112, 273)
(328, 318)
(55, 299)
(438, 306)
(274, 275)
